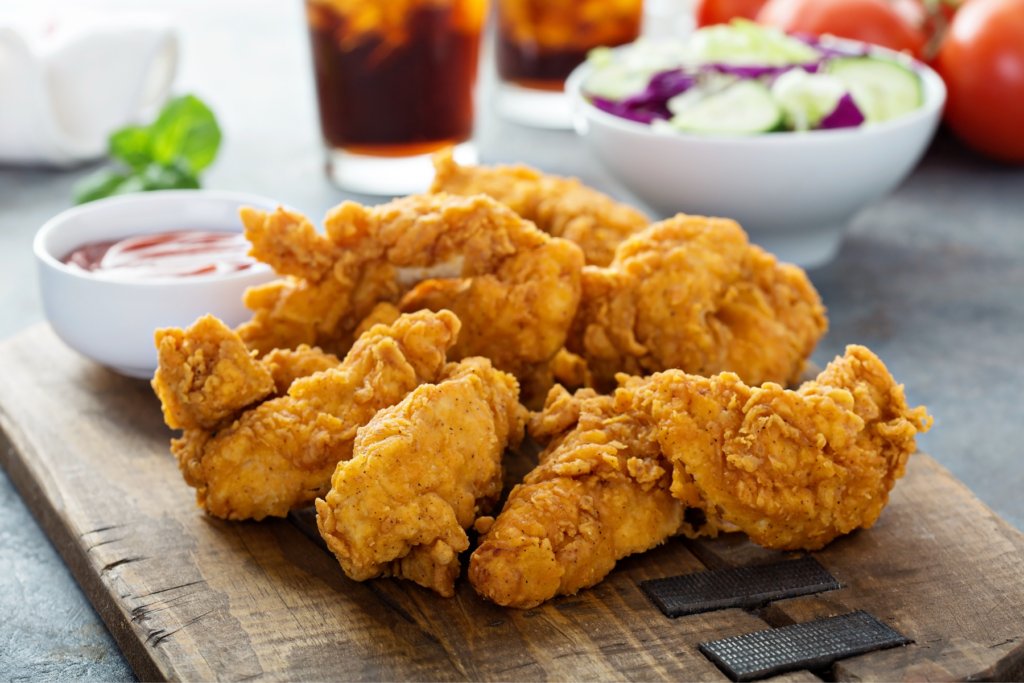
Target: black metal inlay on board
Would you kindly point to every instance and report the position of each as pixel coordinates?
(810, 645)
(738, 587)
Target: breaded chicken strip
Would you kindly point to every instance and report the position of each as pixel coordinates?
(289, 243)
(317, 302)
(792, 469)
(600, 493)
(516, 289)
(207, 376)
(692, 293)
(422, 472)
(561, 207)
(288, 365)
(279, 455)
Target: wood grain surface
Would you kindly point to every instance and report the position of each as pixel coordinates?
(191, 597)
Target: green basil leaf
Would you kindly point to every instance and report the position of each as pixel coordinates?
(186, 132)
(103, 183)
(158, 177)
(166, 155)
(132, 146)
(131, 185)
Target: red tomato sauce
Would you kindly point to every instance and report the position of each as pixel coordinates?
(181, 253)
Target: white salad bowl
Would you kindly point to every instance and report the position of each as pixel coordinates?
(112, 321)
(793, 193)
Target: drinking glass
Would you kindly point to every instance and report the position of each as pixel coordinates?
(540, 42)
(394, 83)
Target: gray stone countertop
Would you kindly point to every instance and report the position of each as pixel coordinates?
(931, 278)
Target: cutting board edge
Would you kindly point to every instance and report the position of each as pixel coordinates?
(35, 482)
(15, 461)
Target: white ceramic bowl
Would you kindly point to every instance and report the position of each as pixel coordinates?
(793, 193)
(112, 322)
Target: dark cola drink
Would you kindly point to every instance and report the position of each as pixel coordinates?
(540, 42)
(394, 78)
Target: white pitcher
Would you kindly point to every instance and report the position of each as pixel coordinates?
(68, 81)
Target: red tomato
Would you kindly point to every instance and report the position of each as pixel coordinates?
(723, 11)
(948, 9)
(982, 62)
(871, 21)
(913, 12)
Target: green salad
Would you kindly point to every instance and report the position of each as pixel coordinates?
(744, 79)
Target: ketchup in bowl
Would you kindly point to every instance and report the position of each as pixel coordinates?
(181, 253)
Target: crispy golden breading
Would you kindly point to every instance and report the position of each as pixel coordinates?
(286, 365)
(516, 295)
(792, 469)
(280, 454)
(422, 472)
(289, 243)
(692, 293)
(294, 311)
(600, 493)
(383, 313)
(570, 370)
(206, 375)
(561, 207)
(519, 288)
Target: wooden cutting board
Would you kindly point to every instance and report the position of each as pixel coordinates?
(190, 597)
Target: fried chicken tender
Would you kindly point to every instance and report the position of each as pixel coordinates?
(279, 455)
(570, 370)
(600, 493)
(288, 365)
(289, 243)
(205, 374)
(383, 313)
(422, 472)
(691, 293)
(561, 207)
(792, 469)
(516, 293)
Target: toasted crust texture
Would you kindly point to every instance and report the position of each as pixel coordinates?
(423, 471)
(692, 293)
(561, 207)
(792, 469)
(267, 458)
(514, 288)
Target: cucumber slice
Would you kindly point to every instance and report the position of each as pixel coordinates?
(745, 43)
(806, 98)
(882, 89)
(617, 81)
(626, 71)
(744, 108)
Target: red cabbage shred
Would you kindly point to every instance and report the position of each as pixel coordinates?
(846, 115)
